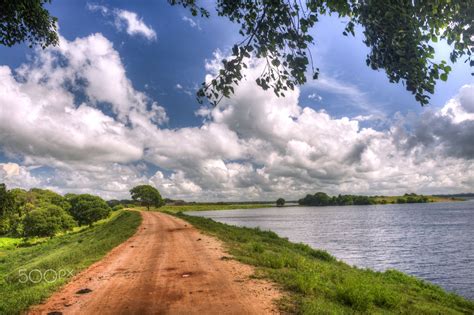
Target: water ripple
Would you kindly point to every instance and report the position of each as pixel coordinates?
(431, 241)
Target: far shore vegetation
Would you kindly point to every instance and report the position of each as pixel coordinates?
(323, 199)
(319, 199)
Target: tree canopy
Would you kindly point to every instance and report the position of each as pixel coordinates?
(6, 200)
(280, 202)
(47, 221)
(87, 209)
(42, 212)
(27, 21)
(399, 34)
(147, 195)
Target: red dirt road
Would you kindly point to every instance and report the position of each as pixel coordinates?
(167, 267)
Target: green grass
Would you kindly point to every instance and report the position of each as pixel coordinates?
(11, 243)
(319, 284)
(8, 243)
(206, 207)
(69, 252)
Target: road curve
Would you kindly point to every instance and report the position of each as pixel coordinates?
(167, 267)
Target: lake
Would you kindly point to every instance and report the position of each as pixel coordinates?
(433, 241)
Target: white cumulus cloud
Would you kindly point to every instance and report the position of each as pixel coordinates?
(126, 20)
(42, 119)
(56, 112)
(191, 22)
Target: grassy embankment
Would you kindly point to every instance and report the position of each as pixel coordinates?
(319, 284)
(73, 251)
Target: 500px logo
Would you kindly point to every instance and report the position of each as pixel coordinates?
(48, 276)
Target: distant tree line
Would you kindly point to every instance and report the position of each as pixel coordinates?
(44, 213)
(412, 198)
(323, 199)
(463, 195)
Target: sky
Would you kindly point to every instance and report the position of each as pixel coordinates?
(113, 106)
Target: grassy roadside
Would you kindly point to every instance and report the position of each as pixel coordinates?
(51, 262)
(319, 284)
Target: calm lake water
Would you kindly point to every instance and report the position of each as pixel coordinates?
(432, 241)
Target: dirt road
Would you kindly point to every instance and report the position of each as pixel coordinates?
(167, 267)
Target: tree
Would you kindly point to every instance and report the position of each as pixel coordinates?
(27, 20)
(87, 209)
(401, 200)
(345, 200)
(147, 196)
(69, 196)
(399, 34)
(6, 201)
(47, 221)
(20, 200)
(6, 209)
(280, 202)
(321, 199)
(40, 197)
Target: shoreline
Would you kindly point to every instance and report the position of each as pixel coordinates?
(171, 208)
(317, 282)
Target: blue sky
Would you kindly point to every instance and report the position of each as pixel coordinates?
(168, 67)
(178, 54)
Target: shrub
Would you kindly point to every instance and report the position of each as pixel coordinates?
(112, 203)
(47, 221)
(87, 209)
(401, 200)
(117, 207)
(5, 225)
(44, 197)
